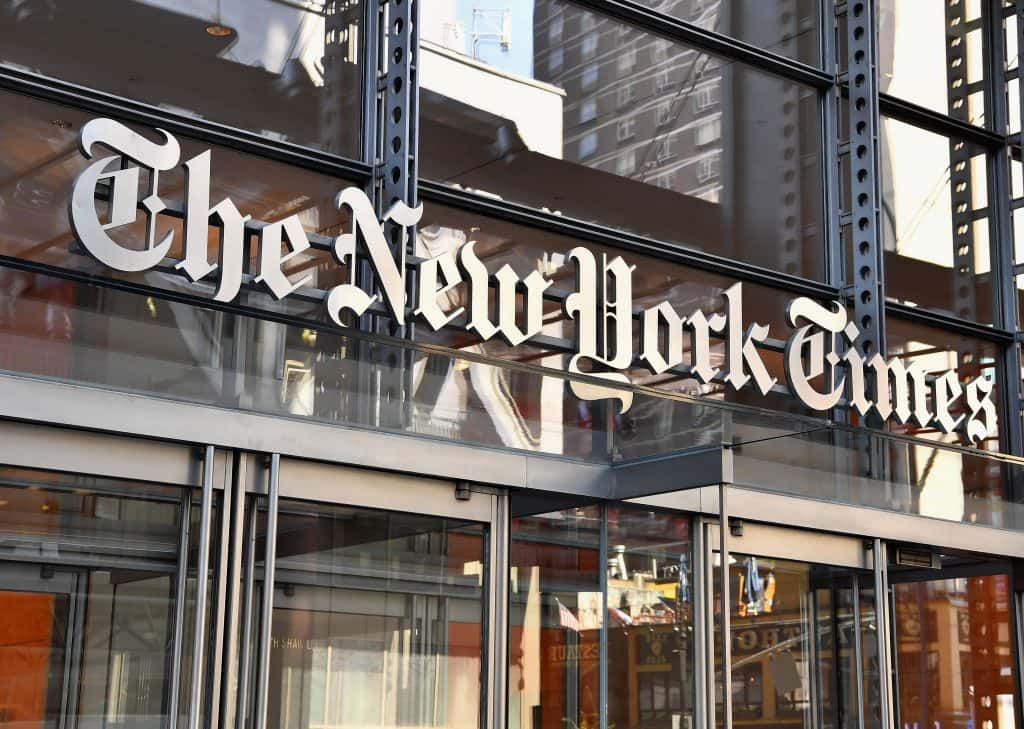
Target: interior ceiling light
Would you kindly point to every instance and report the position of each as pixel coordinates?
(219, 31)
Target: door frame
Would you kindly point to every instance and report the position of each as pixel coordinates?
(791, 543)
(277, 477)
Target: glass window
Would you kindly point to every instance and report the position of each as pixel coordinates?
(588, 110)
(954, 655)
(87, 592)
(650, 619)
(934, 222)
(794, 645)
(39, 159)
(514, 131)
(790, 29)
(377, 619)
(555, 615)
(288, 70)
(936, 351)
(588, 144)
(931, 54)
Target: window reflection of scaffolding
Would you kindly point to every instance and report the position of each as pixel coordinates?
(492, 26)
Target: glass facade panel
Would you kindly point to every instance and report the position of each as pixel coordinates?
(936, 350)
(555, 614)
(39, 160)
(935, 228)
(795, 644)
(931, 54)
(377, 619)
(790, 29)
(87, 597)
(953, 655)
(650, 619)
(287, 70)
(603, 122)
(526, 249)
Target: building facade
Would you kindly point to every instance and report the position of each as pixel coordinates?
(535, 364)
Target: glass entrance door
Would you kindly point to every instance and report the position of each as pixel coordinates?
(378, 615)
(88, 569)
(953, 644)
(803, 633)
(35, 614)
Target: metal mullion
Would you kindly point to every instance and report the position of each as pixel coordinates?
(245, 633)
(202, 570)
(858, 651)
(1019, 9)
(98, 102)
(227, 667)
(181, 587)
(371, 50)
(267, 602)
(1004, 292)
(882, 632)
(641, 15)
(936, 122)
(948, 322)
(496, 690)
(829, 99)
(699, 663)
(726, 629)
(217, 614)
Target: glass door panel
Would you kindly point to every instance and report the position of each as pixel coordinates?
(377, 618)
(803, 641)
(88, 569)
(33, 636)
(953, 649)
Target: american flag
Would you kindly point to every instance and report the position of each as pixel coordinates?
(565, 617)
(620, 615)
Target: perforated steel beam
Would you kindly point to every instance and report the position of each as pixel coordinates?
(867, 255)
(387, 371)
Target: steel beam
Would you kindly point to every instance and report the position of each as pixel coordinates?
(866, 278)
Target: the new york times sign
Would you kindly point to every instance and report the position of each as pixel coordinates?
(603, 315)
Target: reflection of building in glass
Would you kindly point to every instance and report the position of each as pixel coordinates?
(638, 106)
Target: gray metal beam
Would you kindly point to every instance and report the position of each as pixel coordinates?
(867, 274)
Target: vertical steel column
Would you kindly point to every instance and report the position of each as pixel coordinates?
(960, 182)
(202, 578)
(723, 564)
(267, 603)
(1004, 298)
(180, 593)
(397, 94)
(883, 634)
(867, 273)
(497, 613)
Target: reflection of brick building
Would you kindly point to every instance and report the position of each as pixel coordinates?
(637, 106)
(954, 654)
